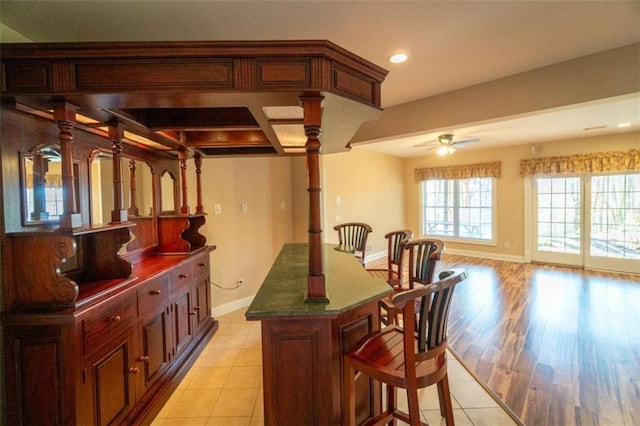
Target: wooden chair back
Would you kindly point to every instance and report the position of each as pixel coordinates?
(430, 320)
(423, 256)
(396, 241)
(353, 236)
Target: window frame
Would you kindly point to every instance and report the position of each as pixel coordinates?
(456, 213)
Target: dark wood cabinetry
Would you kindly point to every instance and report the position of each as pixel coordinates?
(97, 330)
(103, 363)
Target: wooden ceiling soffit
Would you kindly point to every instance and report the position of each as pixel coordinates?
(172, 88)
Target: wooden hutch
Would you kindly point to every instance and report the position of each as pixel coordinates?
(105, 275)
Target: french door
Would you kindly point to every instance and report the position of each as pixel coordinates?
(590, 221)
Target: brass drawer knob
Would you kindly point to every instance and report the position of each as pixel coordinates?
(143, 358)
(114, 319)
(155, 292)
(183, 276)
(134, 370)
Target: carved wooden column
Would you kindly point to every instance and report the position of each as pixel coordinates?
(64, 114)
(116, 133)
(312, 108)
(133, 200)
(40, 166)
(182, 158)
(197, 159)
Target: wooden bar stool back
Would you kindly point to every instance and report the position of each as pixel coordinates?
(353, 236)
(411, 357)
(394, 273)
(423, 257)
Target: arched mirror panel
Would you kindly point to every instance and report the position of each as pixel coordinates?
(41, 185)
(138, 187)
(101, 186)
(168, 190)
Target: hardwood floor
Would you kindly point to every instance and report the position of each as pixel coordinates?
(559, 346)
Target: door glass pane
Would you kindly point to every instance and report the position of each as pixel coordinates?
(559, 214)
(615, 216)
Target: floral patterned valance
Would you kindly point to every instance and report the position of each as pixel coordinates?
(50, 181)
(617, 161)
(459, 172)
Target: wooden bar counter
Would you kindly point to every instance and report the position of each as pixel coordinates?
(303, 343)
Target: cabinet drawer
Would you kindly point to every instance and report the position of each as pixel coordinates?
(181, 275)
(106, 323)
(153, 295)
(201, 265)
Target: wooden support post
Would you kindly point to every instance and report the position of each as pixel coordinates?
(64, 114)
(312, 108)
(197, 159)
(182, 158)
(116, 133)
(133, 198)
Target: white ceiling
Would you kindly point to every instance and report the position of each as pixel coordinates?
(451, 44)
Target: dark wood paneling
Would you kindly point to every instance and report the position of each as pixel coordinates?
(283, 73)
(40, 363)
(311, 393)
(153, 74)
(296, 403)
(30, 78)
(112, 388)
(352, 84)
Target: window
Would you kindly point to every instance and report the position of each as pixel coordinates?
(559, 218)
(615, 216)
(458, 208)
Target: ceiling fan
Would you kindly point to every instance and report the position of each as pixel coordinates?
(444, 144)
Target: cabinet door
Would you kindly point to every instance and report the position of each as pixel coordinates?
(182, 319)
(155, 348)
(111, 377)
(203, 301)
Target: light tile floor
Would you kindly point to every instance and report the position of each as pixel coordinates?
(224, 386)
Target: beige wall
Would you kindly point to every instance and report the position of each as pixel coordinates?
(247, 242)
(510, 187)
(371, 188)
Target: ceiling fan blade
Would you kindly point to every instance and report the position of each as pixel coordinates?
(466, 141)
(420, 145)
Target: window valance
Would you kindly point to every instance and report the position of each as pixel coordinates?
(466, 171)
(50, 181)
(616, 161)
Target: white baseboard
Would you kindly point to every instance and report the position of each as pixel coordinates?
(234, 305)
(485, 255)
(370, 257)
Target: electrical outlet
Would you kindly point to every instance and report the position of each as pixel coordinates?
(507, 244)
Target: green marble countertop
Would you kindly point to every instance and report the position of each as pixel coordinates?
(283, 292)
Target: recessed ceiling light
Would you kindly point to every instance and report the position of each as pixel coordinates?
(624, 124)
(398, 58)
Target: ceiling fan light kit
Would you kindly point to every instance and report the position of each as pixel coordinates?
(444, 150)
(444, 144)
